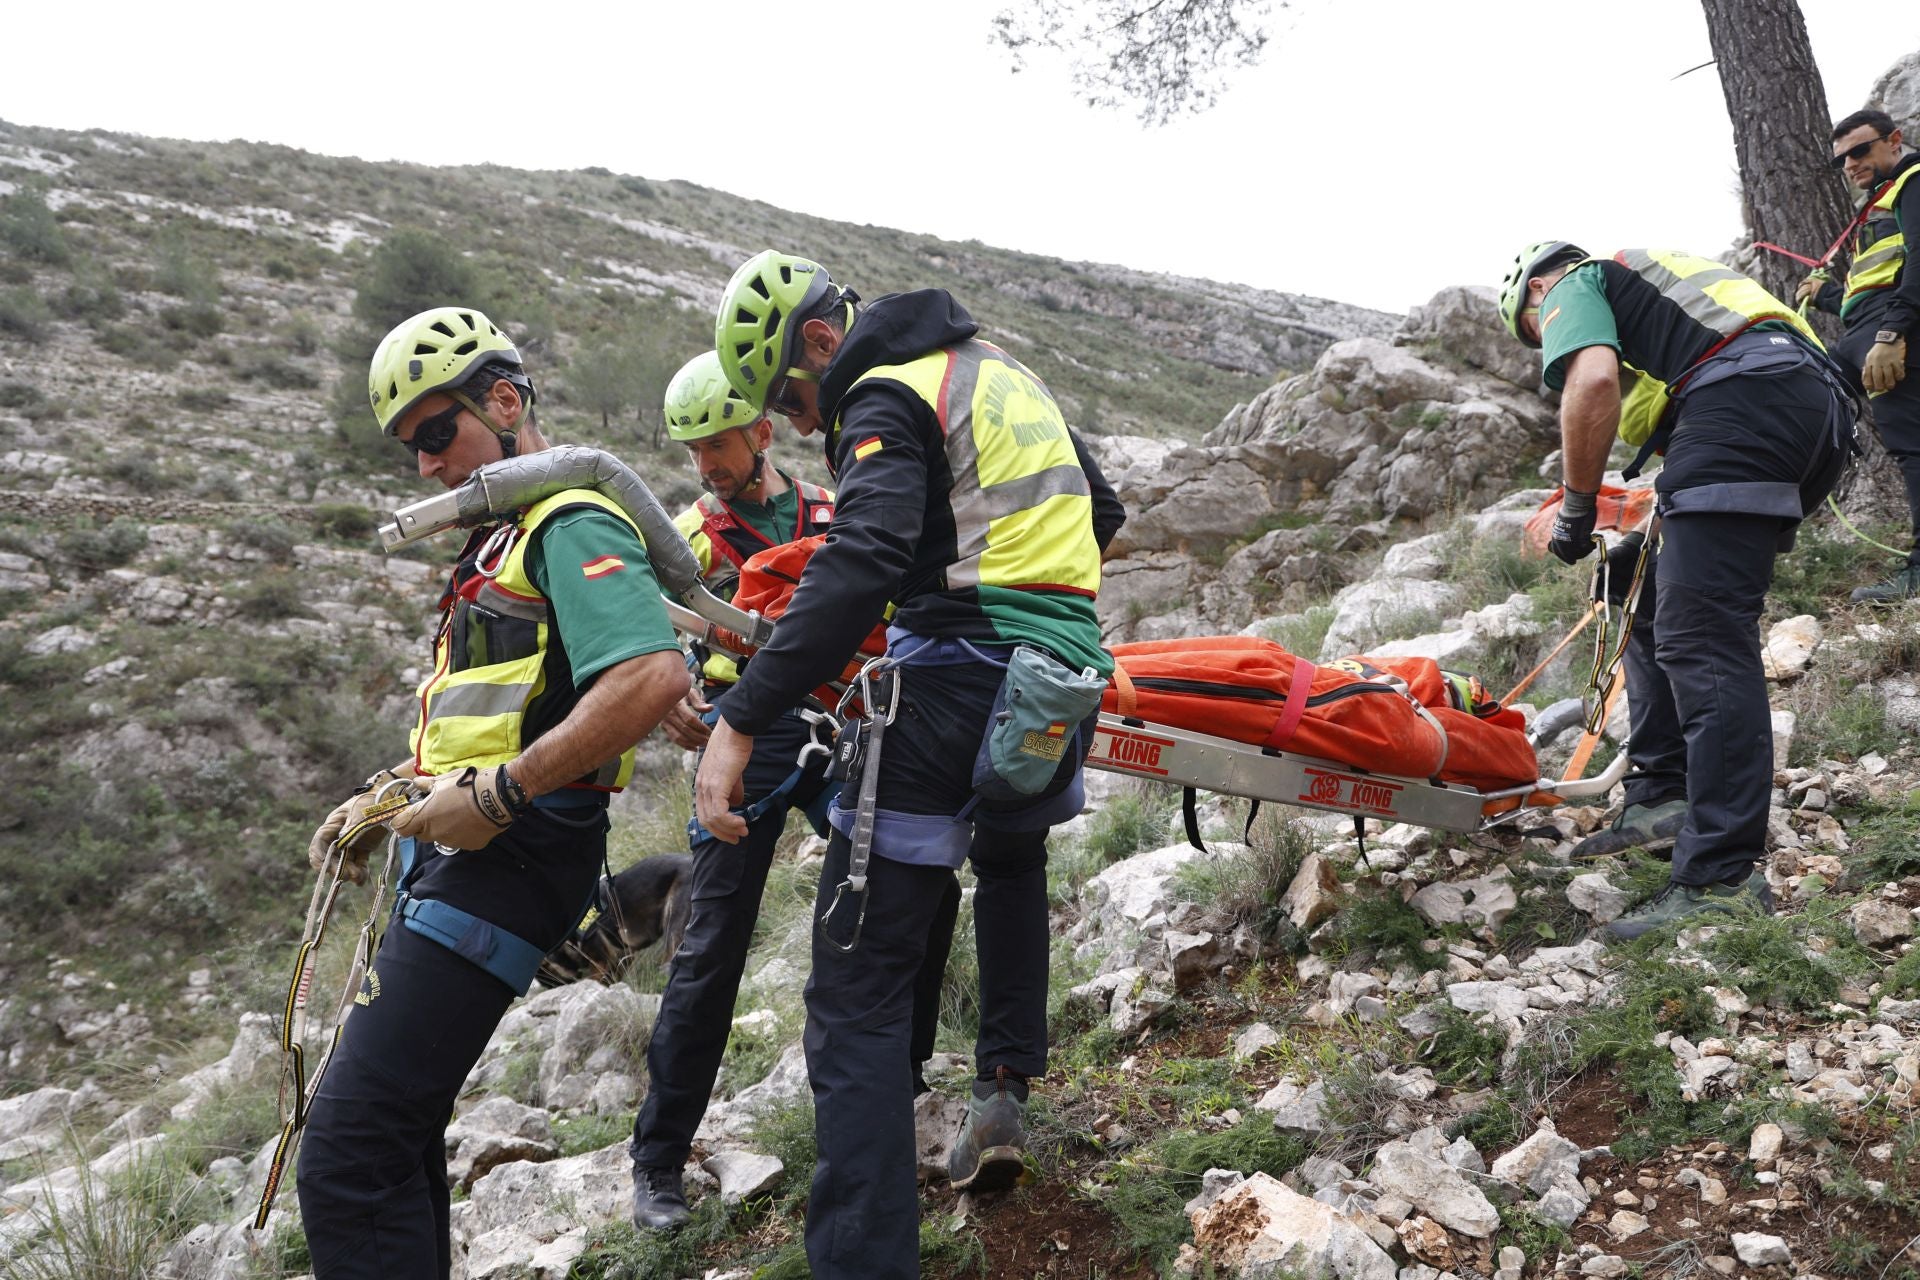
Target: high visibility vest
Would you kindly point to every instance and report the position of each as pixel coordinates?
(723, 540)
(498, 683)
(1713, 295)
(1879, 250)
(1021, 506)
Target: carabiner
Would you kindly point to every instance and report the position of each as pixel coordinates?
(859, 920)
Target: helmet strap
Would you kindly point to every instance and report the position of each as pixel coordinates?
(759, 471)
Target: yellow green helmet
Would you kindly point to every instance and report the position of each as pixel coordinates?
(700, 403)
(434, 351)
(753, 333)
(1533, 260)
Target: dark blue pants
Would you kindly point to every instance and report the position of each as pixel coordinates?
(696, 1012)
(1896, 413)
(373, 1162)
(1702, 726)
(863, 1216)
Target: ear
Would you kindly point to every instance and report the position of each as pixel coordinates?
(504, 399)
(1894, 138)
(820, 338)
(763, 435)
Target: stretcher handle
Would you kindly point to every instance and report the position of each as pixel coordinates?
(1126, 699)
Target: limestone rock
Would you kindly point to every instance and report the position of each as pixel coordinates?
(1596, 895)
(1370, 612)
(1879, 923)
(1541, 1162)
(1194, 957)
(496, 1132)
(1758, 1250)
(1432, 1185)
(1790, 645)
(936, 1125)
(519, 1207)
(1262, 1230)
(1297, 1109)
(1253, 1039)
(729, 1122)
(1763, 1147)
(1314, 894)
(1214, 1183)
(1485, 902)
(744, 1174)
(1501, 999)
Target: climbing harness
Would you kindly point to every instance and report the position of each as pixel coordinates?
(818, 723)
(297, 1090)
(878, 687)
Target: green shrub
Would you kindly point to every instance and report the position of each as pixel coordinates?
(25, 315)
(204, 399)
(273, 597)
(91, 301)
(185, 273)
(28, 399)
(200, 319)
(1129, 824)
(270, 537)
(94, 548)
(1847, 728)
(28, 227)
(343, 522)
(409, 272)
(147, 345)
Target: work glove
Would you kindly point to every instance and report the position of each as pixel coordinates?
(346, 815)
(1808, 290)
(1886, 364)
(1572, 536)
(464, 810)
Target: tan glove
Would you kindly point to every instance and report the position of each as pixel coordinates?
(1804, 295)
(1886, 364)
(345, 816)
(465, 810)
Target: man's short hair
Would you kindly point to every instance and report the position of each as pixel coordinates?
(1881, 122)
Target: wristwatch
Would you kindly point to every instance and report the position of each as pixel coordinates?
(1888, 335)
(513, 793)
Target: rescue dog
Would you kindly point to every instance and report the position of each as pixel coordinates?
(647, 903)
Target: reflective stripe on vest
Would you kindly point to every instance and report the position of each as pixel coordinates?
(1879, 250)
(490, 661)
(1022, 509)
(1714, 296)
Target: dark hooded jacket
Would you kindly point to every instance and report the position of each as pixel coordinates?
(892, 534)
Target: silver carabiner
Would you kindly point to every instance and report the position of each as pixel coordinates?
(498, 546)
(859, 920)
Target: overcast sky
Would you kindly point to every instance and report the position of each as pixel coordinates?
(1383, 148)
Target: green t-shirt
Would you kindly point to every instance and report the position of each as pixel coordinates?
(775, 521)
(1574, 316)
(605, 598)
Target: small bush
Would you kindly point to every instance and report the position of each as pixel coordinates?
(273, 597)
(26, 398)
(1463, 1052)
(30, 229)
(186, 274)
(1302, 633)
(145, 345)
(343, 521)
(204, 399)
(201, 319)
(1847, 728)
(90, 301)
(1129, 824)
(25, 315)
(95, 549)
(271, 538)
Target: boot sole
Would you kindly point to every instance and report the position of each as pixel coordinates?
(999, 1169)
(1661, 845)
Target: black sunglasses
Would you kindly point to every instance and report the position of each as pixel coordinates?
(435, 434)
(1857, 152)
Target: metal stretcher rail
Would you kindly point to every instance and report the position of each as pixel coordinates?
(1186, 758)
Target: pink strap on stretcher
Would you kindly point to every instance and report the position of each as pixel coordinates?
(1298, 690)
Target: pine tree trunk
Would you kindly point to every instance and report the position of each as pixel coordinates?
(1788, 194)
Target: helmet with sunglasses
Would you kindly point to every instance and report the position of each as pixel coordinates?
(1533, 260)
(437, 350)
(754, 332)
(700, 403)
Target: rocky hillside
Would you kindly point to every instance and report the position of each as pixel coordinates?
(1289, 1056)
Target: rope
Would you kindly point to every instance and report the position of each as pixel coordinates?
(1855, 531)
(1534, 674)
(1583, 750)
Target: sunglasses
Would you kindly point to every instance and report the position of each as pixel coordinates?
(436, 434)
(1857, 152)
(780, 397)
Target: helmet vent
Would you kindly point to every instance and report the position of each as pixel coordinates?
(466, 346)
(759, 286)
(425, 349)
(772, 326)
(440, 326)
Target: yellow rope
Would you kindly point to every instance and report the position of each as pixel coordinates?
(1854, 530)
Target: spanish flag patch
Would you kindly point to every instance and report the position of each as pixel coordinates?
(1550, 317)
(1057, 728)
(870, 445)
(601, 566)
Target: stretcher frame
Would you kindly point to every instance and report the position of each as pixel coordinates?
(1182, 757)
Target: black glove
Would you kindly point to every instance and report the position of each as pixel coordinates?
(1622, 558)
(1572, 536)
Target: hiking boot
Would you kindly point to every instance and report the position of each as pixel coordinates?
(659, 1199)
(1902, 585)
(1684, 902)
(989, 1155)
(1652, 827)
